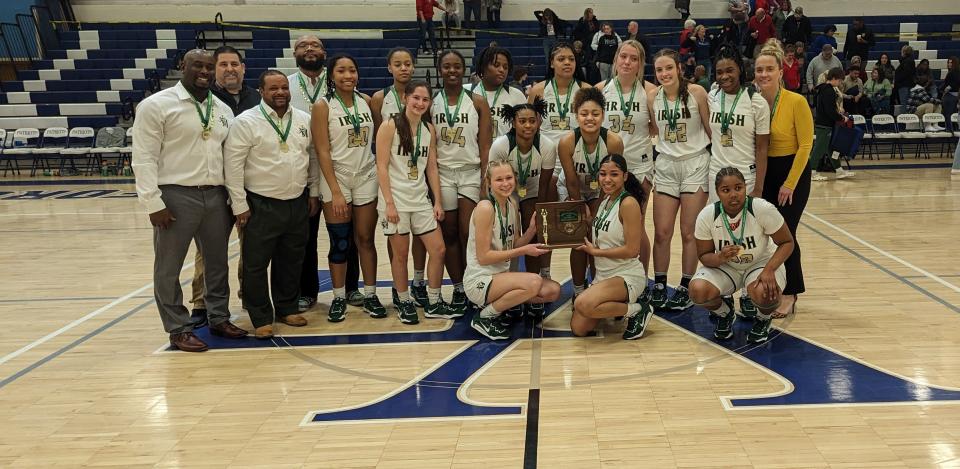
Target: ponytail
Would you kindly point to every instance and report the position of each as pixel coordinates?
(632, 184)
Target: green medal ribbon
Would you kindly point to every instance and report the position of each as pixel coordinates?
(725, 117)
(673, 117)
(446, 107)
(776, 102)
(396, 97)
(355, 118)
(593, 167)
(416, 151)
(628, 105)
(605, 212)
(503, 220)
(743, 223)
(205, 119)
(286, 132)
(522, 176)
(562, 110)
(316, 89)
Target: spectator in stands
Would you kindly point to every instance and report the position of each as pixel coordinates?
(605, 45)
(904, 75)
(581, 55)
(878, 89)
(923, 70)
(920, 102)
(802, 61)
(471, 8)
(551, 28)
(451, 13)
(796, 28)
(178, 137)
(686, 47)
(859, 41)
(791, 69)
(739, 11)
(820, 64)
(633, 32)
(229, 86)
(951, 87)
(521, 79)
(852, 89)
(826, 38)
(587, 27)
(779, 10)
(702, 45)
(886, 68)
(736, 35)
(829, 112)
(425, 23)
(858, 64)
(701, 77)
(493, 12)
(761, 29)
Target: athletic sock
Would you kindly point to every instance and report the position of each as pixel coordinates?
(660, 278)
(433, 295)
(340, 292)
(685, 281)
(632, 310)
(489, 312)
(723, 310)
(578, 289)
(404, 295)
(418, 278)
(545, 272)
(369, 290)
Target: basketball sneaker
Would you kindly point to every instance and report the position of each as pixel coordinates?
(395, 297)
(658, 296)
(407, 312)
(459, 301)
(338, 310)
(679, 301)
(747, 308)
(491, 328)
(304, 303)
(637, 323)
(512, 316)
(760, 331)
(355, 298)
(419, 294)
(535, 310)
(441, 310)
(724, 328)
(373, 307)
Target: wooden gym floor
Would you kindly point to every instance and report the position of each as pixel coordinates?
(866, 374)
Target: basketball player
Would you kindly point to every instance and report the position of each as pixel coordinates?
(385, 104)
(734, 238)
(532, 157)
(343, 135)
(463, 144)
(680, 114)
(740, 134)
(627, 115)
(620, 282)
(495, 69)
(406, 166)
(580, 153)
(494, 240)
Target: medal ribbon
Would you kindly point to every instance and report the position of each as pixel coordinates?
(743, 224)
(562, 110)
(627, 106)
(316, 89)
(286, 132)
(355, 118)
(446, 107)
(776, 102)
(520, 168)
(396, 97)
(503, 220)
(673, 117)
(416, 151)
(593, 167)
(725, 117)
(605, 212)
(205, 119)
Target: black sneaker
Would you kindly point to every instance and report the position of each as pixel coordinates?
(419, 294)
(658, 296)
(760, 331)
(747, 308)
(355, 298)
(637, 323)
(372, 306)
(441, 310)
(395, 297)
(338, 310)
(511, 316)
(459, 301)
(679, 301)
(535, 310)
(407, 312)
(199, 318)
(491, 328)
(724, 328)
(304, 303)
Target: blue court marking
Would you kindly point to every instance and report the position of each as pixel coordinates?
(66, 182)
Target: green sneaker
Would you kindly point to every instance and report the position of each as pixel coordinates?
(679, 301)
(304, 303)
(491, 328)
(511, 316)
(407, 312)
(419, 294)
(372, 306)
(747, 308)
(338, 310)
(459, 301)
(441, 310)
(658, 296)
(355, 298)
(637, 323)
(760, 331)
(724, 329)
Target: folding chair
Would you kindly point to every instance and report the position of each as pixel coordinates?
(54, 140)
(885, 132)
(911, 132)
(109, 141)
(861, 122)
(79, 143)
(943, 138)
(25, 141)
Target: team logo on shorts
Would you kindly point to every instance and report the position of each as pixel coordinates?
(481, 285)
(384, 223)
(223, 121)
(302, 130)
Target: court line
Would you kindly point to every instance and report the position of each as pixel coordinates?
(886, 254)
(68, 182)
(48, 214)
(881, 196)
(901, 212)
(91, 315)
(74, 230)
(73, 298)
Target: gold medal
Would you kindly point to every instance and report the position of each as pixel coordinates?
(594, 185)
(726, 138)
(206, 134)
(563, 124)
(522, 192)
(284, 147)
(413, 173)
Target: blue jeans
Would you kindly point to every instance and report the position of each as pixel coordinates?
(471, 8)
(548, 43)
(426, 27)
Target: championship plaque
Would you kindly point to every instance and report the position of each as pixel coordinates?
(562, 224)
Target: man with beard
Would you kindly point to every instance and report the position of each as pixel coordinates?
(229, 87)
(268, 162)
(310, 85)
(178, 162)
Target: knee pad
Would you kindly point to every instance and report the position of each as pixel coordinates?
(341, 238)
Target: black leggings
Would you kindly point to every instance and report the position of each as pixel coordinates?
(777, 170)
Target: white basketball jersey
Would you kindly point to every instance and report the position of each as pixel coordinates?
(587, 165)
(541, 157)
(633, 126)
(750, 117)
(350, 147)
(608, 234)
(507, 231)
(497, 100)
(300, 94)
(408, 183)
(762, 220)
(554, 126)
(689, 137)
(457, 144)
(390, 107)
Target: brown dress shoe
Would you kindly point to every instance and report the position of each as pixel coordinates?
(228, 330)
(264, 332)
(294, 320)
(187, 342)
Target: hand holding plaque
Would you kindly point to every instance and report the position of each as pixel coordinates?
(562, 224)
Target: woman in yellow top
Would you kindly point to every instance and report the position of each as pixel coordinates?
(787, 183)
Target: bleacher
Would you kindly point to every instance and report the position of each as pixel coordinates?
(101, 71)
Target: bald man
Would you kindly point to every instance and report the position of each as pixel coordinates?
(178, 139)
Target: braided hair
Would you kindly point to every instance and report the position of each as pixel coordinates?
(728, 171)
(488, 56)
(539, 107)
(730, 52)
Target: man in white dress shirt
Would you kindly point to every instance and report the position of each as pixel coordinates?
(268, 162)
(178, 139)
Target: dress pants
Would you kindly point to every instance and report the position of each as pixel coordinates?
(778, 168)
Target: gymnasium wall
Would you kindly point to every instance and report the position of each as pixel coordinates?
(399, 10)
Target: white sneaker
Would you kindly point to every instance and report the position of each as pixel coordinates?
(843, 174)
(814, 176)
